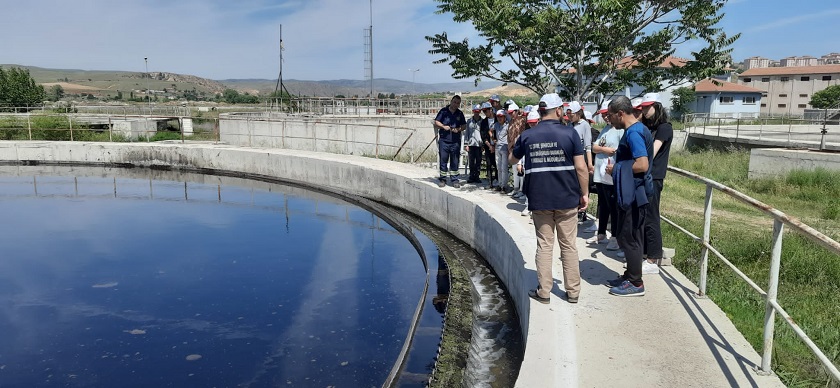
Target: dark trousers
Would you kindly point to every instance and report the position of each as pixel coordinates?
(653, 225)
(607, 209)
(630, 240)
(490, 161)
(450, 155)
(474, 163)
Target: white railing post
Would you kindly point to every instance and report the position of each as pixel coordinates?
(707, 229)
(772, 293)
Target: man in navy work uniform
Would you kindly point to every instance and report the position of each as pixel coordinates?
(450, 122)
(633, 169)
(557, 186)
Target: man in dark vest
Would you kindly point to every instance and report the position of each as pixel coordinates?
(450, 122)
(557, 186)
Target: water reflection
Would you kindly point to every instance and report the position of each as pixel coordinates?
(112, 278)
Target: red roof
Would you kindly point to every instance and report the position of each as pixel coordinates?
(717, 86)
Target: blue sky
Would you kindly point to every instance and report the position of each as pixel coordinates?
(323, 39)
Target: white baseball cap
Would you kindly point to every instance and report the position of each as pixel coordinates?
(551, 101)
(513, 107)
(494, 97)
(649, 99)
(500, 112)
(574, 106)
(637, 103)
(587, 115)
(533, 116)
(605, 107)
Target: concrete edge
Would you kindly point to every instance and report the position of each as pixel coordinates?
(550, 357)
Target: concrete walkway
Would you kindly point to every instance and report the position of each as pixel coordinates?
(668, 338)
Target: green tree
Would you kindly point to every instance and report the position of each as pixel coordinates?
(230, 96)
(682, 100)
(56, 92)
(119, 95)
(584, 46)
(392, 96)
(18, 89)
(828, 98)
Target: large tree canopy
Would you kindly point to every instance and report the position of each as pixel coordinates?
(828, 98)
(585, 46)
(18, 89)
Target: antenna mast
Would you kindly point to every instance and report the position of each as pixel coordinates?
(369, 51)
(280, 87)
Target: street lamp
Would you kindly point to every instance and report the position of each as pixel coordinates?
(413, 84)
(148, 91)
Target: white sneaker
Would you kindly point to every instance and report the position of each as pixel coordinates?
(526, 212)
(649, 269)
(599, 239)
(591, 228)
(613, 244)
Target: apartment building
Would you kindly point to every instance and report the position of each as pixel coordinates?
(788, 90)
(753, 62)
(806, 60)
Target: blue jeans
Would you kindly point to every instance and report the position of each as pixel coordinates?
(450, 155)
(502, 164)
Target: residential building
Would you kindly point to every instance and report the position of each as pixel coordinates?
(830, 59)
(788, 90)
(726, 99)
(753, 62)
(806, 60)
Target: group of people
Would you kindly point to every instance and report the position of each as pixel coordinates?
(556, 155)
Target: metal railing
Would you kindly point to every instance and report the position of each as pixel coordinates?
(772, 305)
(821, 131)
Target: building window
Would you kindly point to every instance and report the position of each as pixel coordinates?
(803, 95)
(803, 105)
(748, 79)
(726, 99)
(805, 79)
(783, 95)
(782, 105)
(765, 79)
(763, 105)
(749, 100)
(826, 78)
(785, 79)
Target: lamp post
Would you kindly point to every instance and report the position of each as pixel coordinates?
(413, 84)
(148, 91)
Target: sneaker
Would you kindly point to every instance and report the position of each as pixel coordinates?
(599, 239)
(519, 195)
(456, 184)
(591, 228)
(615, 282)
(526, 213)
(628, 289)
(649, 269)
(613, 244)
(572, 299)
(533, 294)
(441, 183)
(620, 254)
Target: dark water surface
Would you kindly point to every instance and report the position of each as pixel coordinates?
(114, 280)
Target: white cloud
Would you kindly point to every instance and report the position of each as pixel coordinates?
(794, 20)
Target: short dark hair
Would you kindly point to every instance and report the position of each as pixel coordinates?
(456, 97)
(621, 104)
(541, 108)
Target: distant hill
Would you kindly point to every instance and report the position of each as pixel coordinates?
(104, 82)
(353, 87)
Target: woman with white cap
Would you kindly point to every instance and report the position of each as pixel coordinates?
(656, 119)
(584, 131)
(604, 148)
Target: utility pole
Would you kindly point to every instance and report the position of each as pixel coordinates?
(413, 83)
(148, 91)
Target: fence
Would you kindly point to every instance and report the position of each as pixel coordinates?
(772, 305)
(792, 132)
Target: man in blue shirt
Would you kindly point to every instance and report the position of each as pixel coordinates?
(557, 186)
(633, 152)
(450, 122)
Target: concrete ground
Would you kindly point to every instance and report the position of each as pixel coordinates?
(667, 338)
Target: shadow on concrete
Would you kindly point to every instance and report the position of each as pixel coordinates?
(717, 344)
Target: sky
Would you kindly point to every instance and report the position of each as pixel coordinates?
(322, 39)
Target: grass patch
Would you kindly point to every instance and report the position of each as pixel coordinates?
(809, 273)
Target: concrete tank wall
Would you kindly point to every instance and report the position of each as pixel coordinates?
(369, 136)
(771, 162)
